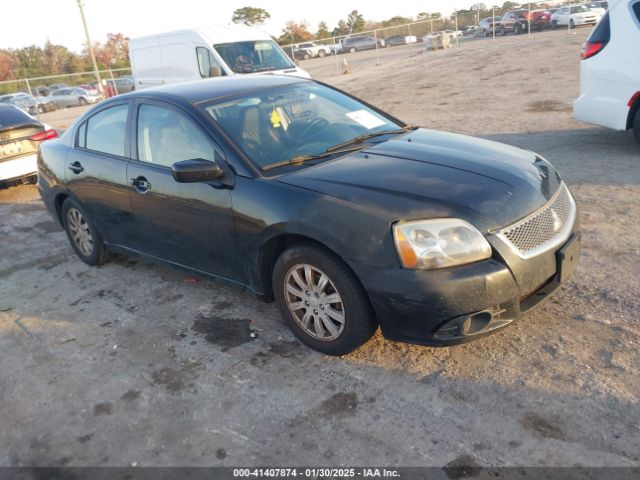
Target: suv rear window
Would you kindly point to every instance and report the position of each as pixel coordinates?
(10, 116)
(602, 31)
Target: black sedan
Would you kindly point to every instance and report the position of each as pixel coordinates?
(344, 215)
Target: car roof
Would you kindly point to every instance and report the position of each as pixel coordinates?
(209, 89)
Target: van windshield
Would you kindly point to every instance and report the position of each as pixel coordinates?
(253, 56)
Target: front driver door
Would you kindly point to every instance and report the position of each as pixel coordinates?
(189, 224)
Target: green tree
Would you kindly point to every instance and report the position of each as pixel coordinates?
(397, 20)
(509, 5)
(323, 31)
(250, 16)
(355, 22)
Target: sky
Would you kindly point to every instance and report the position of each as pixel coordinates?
(59, 20)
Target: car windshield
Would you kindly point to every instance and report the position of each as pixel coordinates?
(253, 56)
(295, 120)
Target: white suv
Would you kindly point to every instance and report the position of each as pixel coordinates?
(610, 71)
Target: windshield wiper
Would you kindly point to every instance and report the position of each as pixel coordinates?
(300, 159)
(367, 136)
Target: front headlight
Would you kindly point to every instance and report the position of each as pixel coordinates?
(439, 243)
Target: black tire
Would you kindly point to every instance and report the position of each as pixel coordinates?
(636, 125)
(359, 320)
(554, 25)
(572, 24)
(99, 253)
(517, 29)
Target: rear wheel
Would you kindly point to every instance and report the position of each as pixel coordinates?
(83, 101)
(82, 235)
(636, 126)
(321, 300)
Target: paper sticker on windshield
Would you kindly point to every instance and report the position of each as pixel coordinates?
(364, 118)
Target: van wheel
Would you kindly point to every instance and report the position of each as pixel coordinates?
(636, 125)
(82, 235)
(322, 301)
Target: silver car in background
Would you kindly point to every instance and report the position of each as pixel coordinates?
(74, 96)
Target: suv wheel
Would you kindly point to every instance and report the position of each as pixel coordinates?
(322, 301)
(517, 29)
(82, 235)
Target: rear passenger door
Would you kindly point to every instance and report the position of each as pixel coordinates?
(97, 171)
(190, 224)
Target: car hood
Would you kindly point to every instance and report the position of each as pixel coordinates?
(427, 174)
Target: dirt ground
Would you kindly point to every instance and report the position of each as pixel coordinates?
(140, 364)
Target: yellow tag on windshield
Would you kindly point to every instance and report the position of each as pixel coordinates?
(275, 119)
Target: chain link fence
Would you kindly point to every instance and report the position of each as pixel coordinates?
(114, 81)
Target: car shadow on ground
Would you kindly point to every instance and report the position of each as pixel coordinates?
(604, 156)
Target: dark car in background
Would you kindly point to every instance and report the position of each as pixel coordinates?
(20, 136)
(347, 217)
(396, 40)
(357, 44)
(123, 84)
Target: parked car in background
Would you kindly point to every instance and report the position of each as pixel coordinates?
(75, 96)
(46, 104)
(573, 16)
(356, 44)
(308, 50)
(453, 34)
(21, 100)
(347, 217)
(41, 91)
(488, 26)
(514, 21)
(20, 136)
(610, 71)
(395, 40)
(594, 7)
(539, 19)
(470, 30)
(56, 86)
(123, 84)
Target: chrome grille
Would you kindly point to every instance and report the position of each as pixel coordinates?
(544, 228)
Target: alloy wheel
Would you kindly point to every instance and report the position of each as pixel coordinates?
(79, 232)
(314, 302)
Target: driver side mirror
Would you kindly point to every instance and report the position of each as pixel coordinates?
(196, 170)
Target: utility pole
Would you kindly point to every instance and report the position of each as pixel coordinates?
(90, 46)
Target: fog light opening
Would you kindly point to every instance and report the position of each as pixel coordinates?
(476, 323)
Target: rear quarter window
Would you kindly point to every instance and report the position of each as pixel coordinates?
(106, 131)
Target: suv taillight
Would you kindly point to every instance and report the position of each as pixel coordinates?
(44, 135)
(589, 49)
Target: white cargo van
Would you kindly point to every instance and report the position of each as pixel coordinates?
(188, 55)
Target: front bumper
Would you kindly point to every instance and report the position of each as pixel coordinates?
(459, 304)
(18, 167)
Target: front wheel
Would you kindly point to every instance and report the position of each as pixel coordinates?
(322, 53)
(322, 301)
(82, 235)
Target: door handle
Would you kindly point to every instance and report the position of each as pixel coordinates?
(141, 184)
(76, 167)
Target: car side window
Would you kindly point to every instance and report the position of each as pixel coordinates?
(207, 64)
(166, 136)
(106, 131)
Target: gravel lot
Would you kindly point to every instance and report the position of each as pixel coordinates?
(136, 363)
